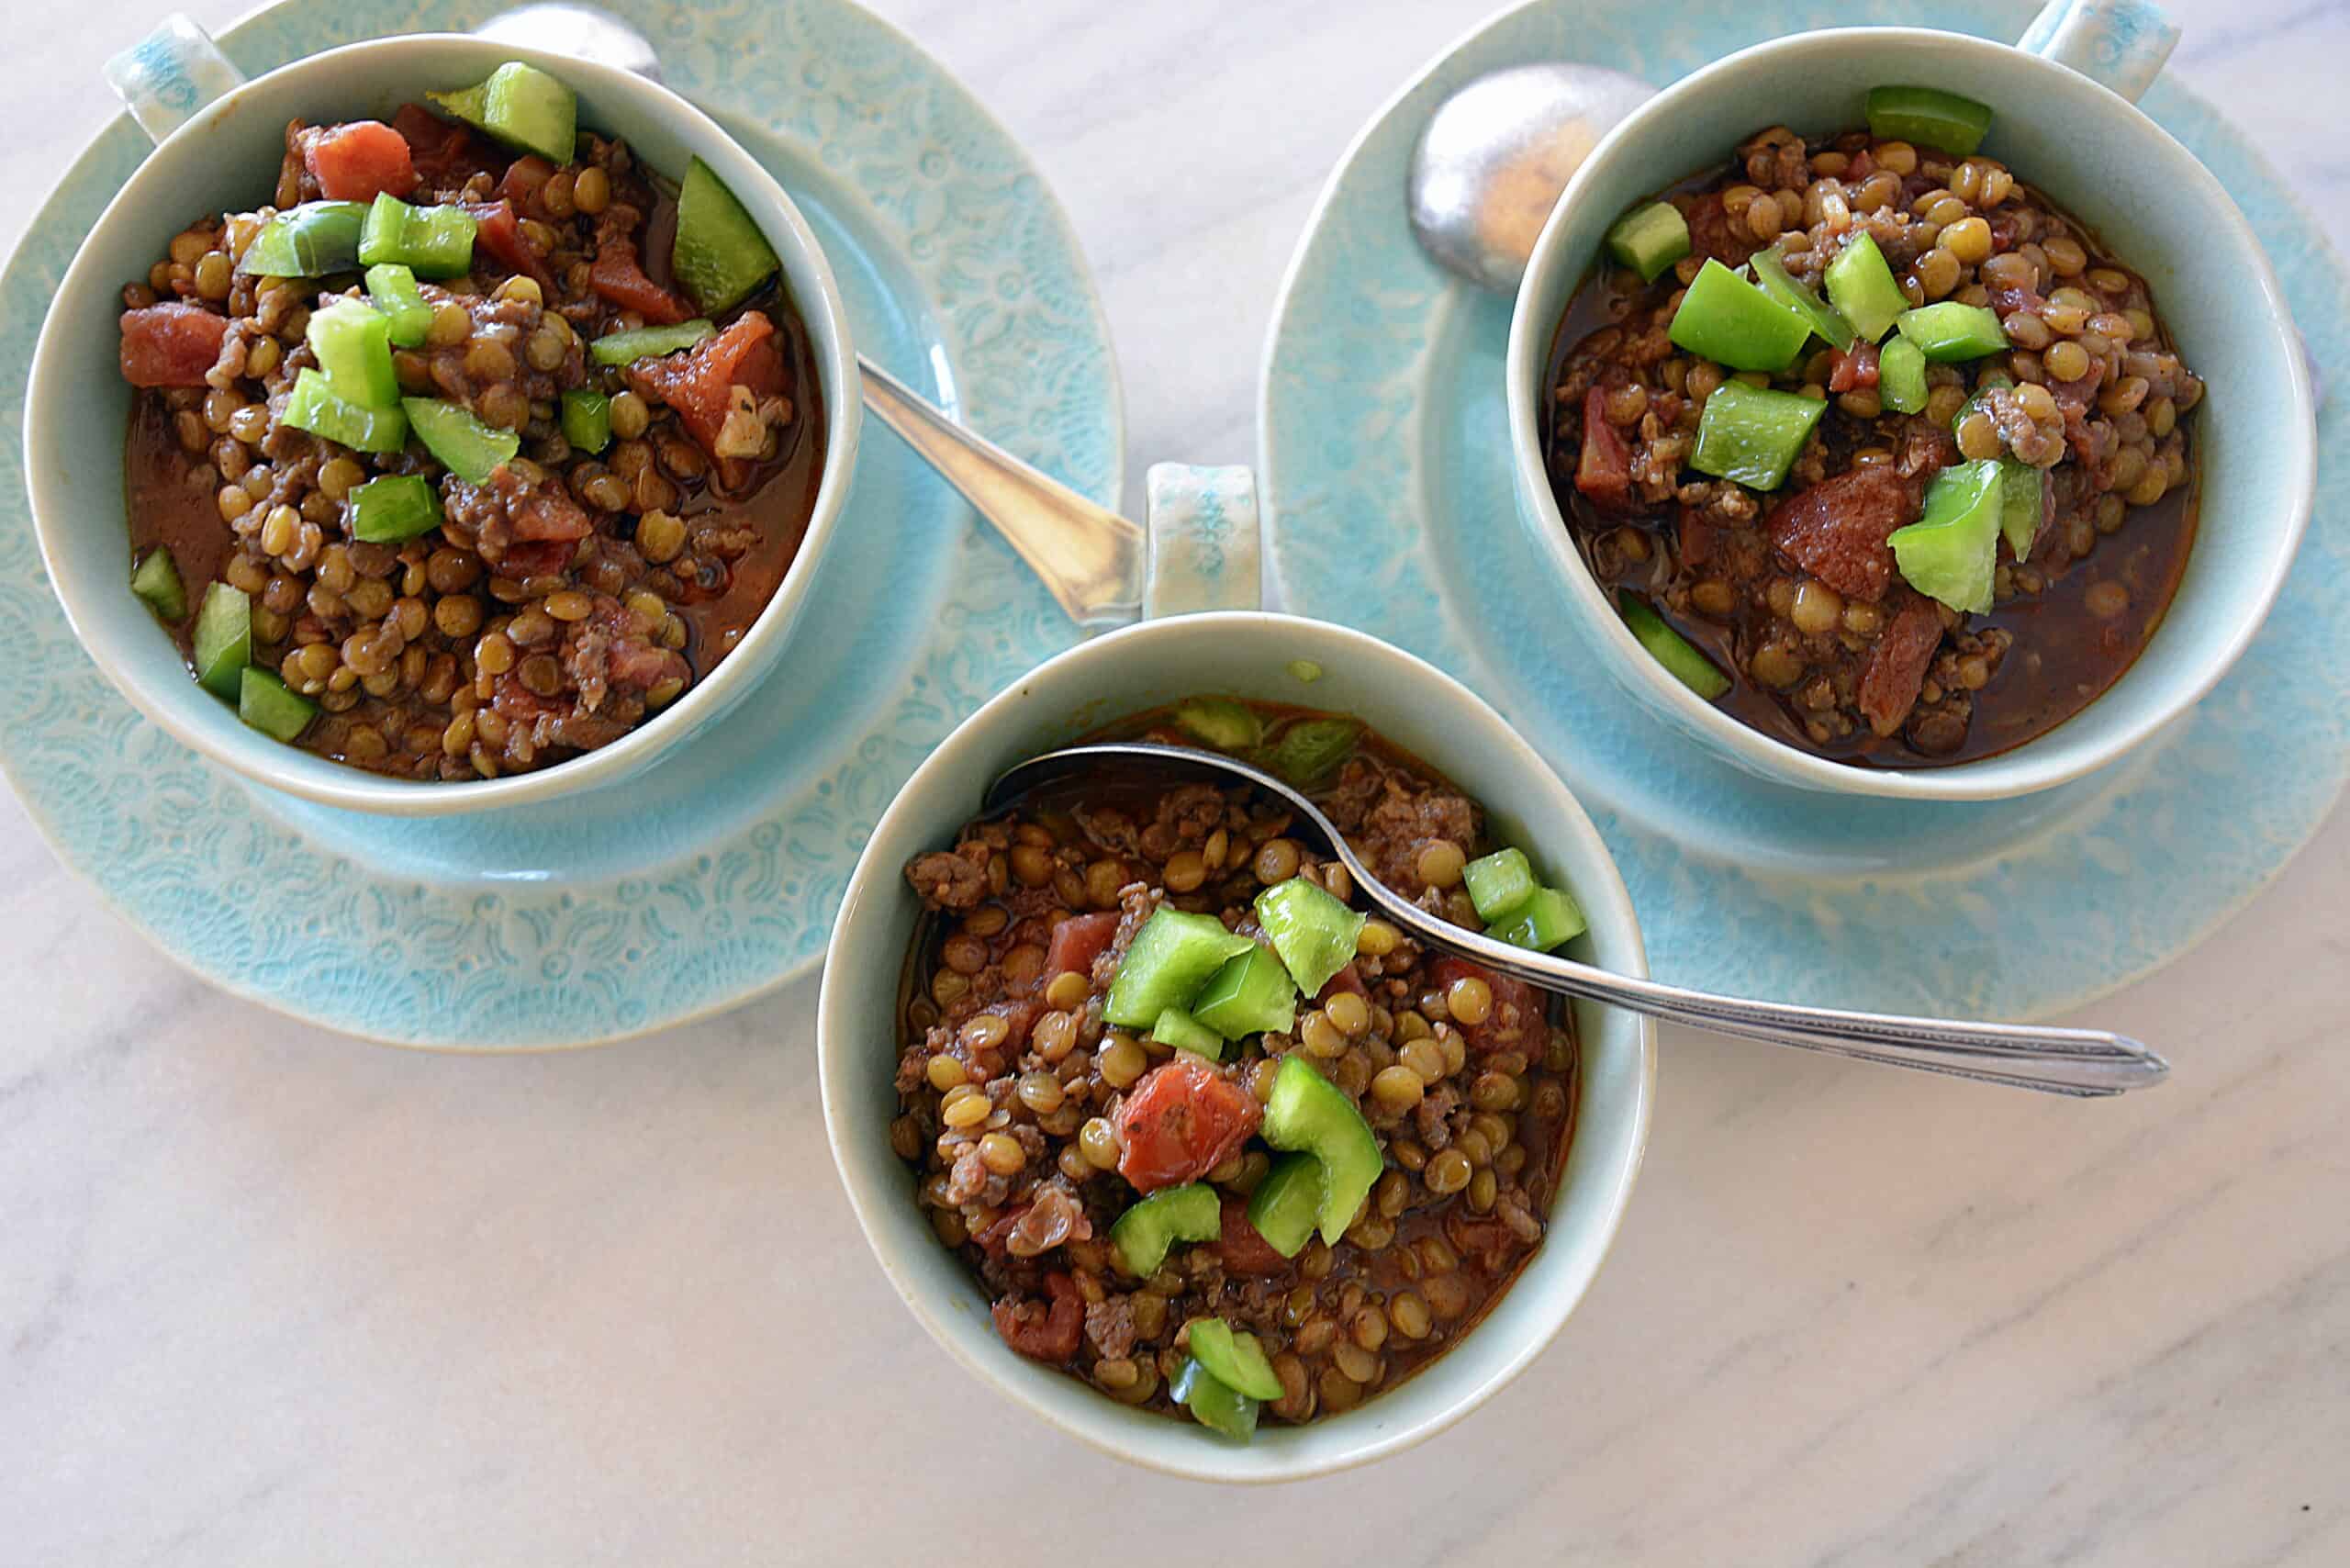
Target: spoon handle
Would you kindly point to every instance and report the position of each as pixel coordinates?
(2084, 1062)
(1090, 558)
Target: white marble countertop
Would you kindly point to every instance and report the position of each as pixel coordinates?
(269, 1296)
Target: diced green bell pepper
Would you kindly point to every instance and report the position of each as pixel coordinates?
(1548, 917)
(352, 341)
(1310, 750)
(1313, 931)
(1221, 723)
(1214, 1403)
(1950, 551)
(309, 240)
(1731, 321)
(1901, 378)
(1679, 657)
(1752, 434)
(718, 257)
(1861, 286)
(1143, 1235)
(156, 580)
(223, 640)
(649, 342)
(1310, 1112)
(393, 289)
(1250, 995)
(1928, 116)
(430, 241)
(1177, 1028)
(2024, 505)
(1287, 1203)
(586, 419)
(523, 107)
(313, 406)
(394, 509)
(1772, 273)
(1649, 239)
(267, 704)
(1498, 881)
(1949, 331)
(1233, 1356)
(1172, 958)
(468, 447)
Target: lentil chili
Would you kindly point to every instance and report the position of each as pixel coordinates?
(1792, 592)
(565, 597)
(1031, 1125)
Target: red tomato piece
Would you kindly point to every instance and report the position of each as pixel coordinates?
(1517, 1019)
(1039, 1332)
(541, 558)
(1855, 366)
(171, 344)
(1076, 941)
(1603, 471)
(1346, 980)
(442, 153)
(541, 512)
(525, 177)
(358, 160)
(696, 383)
(617, 277)
(1242, 1248)
(498, 232)
(1180, 1122)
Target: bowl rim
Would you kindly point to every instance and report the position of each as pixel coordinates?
(2047, 759)
(822, 307)
(1073, 1410)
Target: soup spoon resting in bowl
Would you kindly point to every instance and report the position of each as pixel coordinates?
(2080, 1062)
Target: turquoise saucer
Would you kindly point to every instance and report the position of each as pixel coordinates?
(714, 876)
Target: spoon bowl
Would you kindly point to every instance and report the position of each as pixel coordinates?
(1497, 154)
(2079, 1062)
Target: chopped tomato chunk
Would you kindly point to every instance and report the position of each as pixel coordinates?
(1516, 1019)
(358, 160)
(1899, 660)
(443, 153)
(498, 232)
(1078, 941)
(617, 277)
(1837, 530)
(1346, 980)
(541, 511)
(171, 344)
(696, 383)
(1604, 472)
(1039, 1332)
(1180, 1122)
(1243, 1249)
(1855, 366)
(525, 178)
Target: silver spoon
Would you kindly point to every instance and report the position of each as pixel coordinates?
(1494, 158)
(1091, 559)
(2081, 1062)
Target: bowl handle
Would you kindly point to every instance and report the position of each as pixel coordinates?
(1202, 541)
(167, 76)
(2119, 44)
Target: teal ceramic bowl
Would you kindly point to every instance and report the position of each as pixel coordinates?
(1248, 654)
(2146, 197)
(225, 159)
